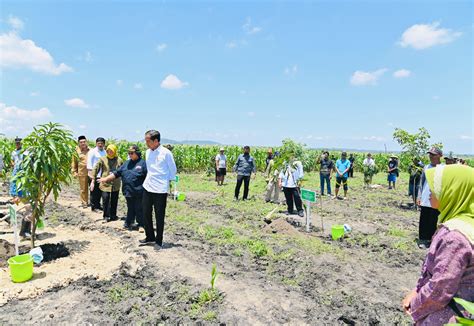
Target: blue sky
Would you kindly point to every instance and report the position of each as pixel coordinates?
(329, 74)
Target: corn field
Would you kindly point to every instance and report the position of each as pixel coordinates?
(200, 158)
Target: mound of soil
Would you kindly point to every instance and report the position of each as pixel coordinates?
(280, 226)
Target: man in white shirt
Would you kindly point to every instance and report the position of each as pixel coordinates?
(221, 167)
(428, 215)
(369, 170)
(289, 177)
(93, 157)
(161, 170)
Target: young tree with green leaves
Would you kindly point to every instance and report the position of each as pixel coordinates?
(46, 166)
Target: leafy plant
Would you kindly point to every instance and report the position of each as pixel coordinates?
(48, 151)
(469, 306)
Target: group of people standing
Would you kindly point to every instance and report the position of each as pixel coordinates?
(144, 182)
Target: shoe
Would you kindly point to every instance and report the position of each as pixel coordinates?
(157, 247)
(236, 199)
(344, 198)
(146, 242)
(301, 213)
(133, 227)
(95, 210)
(114, 218)
(141, 229)
(291, 213)
(126, 226)
(329, 195)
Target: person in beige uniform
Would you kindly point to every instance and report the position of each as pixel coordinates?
(79, 169)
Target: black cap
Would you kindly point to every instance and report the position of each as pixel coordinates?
(100, 139)
(18, 139)
(81, 137)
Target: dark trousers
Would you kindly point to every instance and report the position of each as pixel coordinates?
(110, 202)
(428, 223)
(95, 197)
(325, 178)
(246, 180)
(292, 196)
(134, 210)
(158, 202)
(351, 172)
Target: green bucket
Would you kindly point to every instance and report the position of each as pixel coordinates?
(337, 231)
(181, 197)
(21, 268)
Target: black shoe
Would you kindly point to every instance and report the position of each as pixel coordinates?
(114, 218)
(146, 242)
(157, 247)
(301, 213)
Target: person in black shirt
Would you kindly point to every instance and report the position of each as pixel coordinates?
(133, 173)
(325, 172)
(392, 171)
(351, 169)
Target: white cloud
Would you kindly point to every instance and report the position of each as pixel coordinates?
(16, 52)
(251, 114)
(249, 28)
(423, 36)
(373, 138)
(138, 86)
(362, 78)
(173, 82)
(243, 92)
(161, 47)
(436, 97)
(291, 71)
(15, 23)
(14, 119)
(465, 137)
(402, 73)
(119, 82)
(231, 44)
(88, 57)
(82, 127)
(76, 103)
(37, 93)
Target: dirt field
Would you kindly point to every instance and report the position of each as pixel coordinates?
(271, 270)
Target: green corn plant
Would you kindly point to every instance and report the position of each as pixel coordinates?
(469, 306)
(214, 274)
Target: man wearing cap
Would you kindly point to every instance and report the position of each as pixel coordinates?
(428, 215)
(133, 173)
(450, 159)
(79, 169)
(342, 173)
(93, 157)
(244, 166)
(392, 171)
(221, 166)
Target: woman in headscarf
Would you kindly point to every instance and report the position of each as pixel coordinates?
(110, 190)
(132, 173)
(448, 270)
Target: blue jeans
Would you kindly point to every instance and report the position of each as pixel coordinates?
(322, 178)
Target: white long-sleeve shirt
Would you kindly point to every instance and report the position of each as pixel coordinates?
(93, 157)
(161, 170)
(370, 162)
(291, 174)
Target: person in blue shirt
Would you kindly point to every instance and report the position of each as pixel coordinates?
(133, 173)
(342, 173)
(244, 167)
